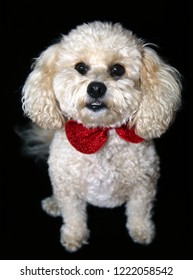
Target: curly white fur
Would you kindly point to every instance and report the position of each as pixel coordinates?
(145, 96)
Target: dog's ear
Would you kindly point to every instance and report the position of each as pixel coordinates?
(161, 95)
(38, 99)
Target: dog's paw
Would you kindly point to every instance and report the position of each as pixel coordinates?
(73, 240)
(143, 232)
(50, 206)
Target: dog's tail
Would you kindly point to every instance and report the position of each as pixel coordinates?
(36, 141)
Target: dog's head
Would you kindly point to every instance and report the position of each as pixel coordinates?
(101, 74)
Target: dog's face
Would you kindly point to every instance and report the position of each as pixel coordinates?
(97, 81)
(100, 74)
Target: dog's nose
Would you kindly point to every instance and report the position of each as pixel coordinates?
(96, 89)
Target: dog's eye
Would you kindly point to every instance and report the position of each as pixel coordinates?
(82, 68)
(117, 70)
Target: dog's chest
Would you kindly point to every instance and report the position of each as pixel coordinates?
(103, 178)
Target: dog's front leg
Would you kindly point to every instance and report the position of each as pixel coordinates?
(74, 232)
(138, 210)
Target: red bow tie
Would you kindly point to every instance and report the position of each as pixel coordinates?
(90, 140)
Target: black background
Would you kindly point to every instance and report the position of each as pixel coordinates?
(28, 232)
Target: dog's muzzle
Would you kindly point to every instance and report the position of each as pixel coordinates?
(96, 91)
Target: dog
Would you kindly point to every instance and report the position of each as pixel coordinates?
(97, 99)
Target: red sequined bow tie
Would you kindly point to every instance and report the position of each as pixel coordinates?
(90, 140)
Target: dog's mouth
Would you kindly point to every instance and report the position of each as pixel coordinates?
(96, 106)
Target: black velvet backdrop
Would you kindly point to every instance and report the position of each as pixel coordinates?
(28, 232)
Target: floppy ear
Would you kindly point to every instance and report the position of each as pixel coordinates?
(161, 95)
(38, 100)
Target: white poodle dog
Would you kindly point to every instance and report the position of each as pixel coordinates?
(103, 95)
